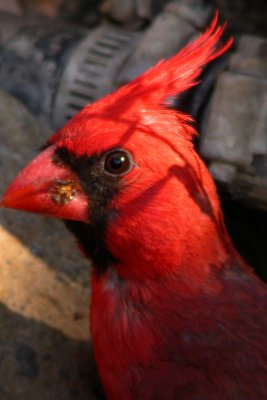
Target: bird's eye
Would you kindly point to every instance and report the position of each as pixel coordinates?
(118, 162)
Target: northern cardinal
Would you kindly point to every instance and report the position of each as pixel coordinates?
(175, 311)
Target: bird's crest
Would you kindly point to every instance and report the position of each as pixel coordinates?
(178, 73)
(167, 78)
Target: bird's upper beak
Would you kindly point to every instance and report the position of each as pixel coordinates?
(47, 187)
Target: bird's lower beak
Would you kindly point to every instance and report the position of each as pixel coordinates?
(47, 187)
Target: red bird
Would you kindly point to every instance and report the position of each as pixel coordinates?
(175, 313)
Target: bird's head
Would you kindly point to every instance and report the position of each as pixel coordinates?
(123, 172)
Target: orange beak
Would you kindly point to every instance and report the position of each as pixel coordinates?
(45, 186)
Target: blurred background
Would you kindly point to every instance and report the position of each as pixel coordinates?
(56, 56)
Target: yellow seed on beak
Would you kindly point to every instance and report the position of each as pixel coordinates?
(64, 191)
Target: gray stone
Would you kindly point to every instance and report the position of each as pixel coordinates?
(234, 133)
(223, 172)
(234, 117)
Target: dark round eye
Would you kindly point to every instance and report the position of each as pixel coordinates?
(118, 162)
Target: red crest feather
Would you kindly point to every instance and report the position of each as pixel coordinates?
(178, 73)
(167, 78)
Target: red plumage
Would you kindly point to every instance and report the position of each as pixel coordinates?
(175, 312)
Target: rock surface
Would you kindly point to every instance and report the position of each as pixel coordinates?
(44, 286)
